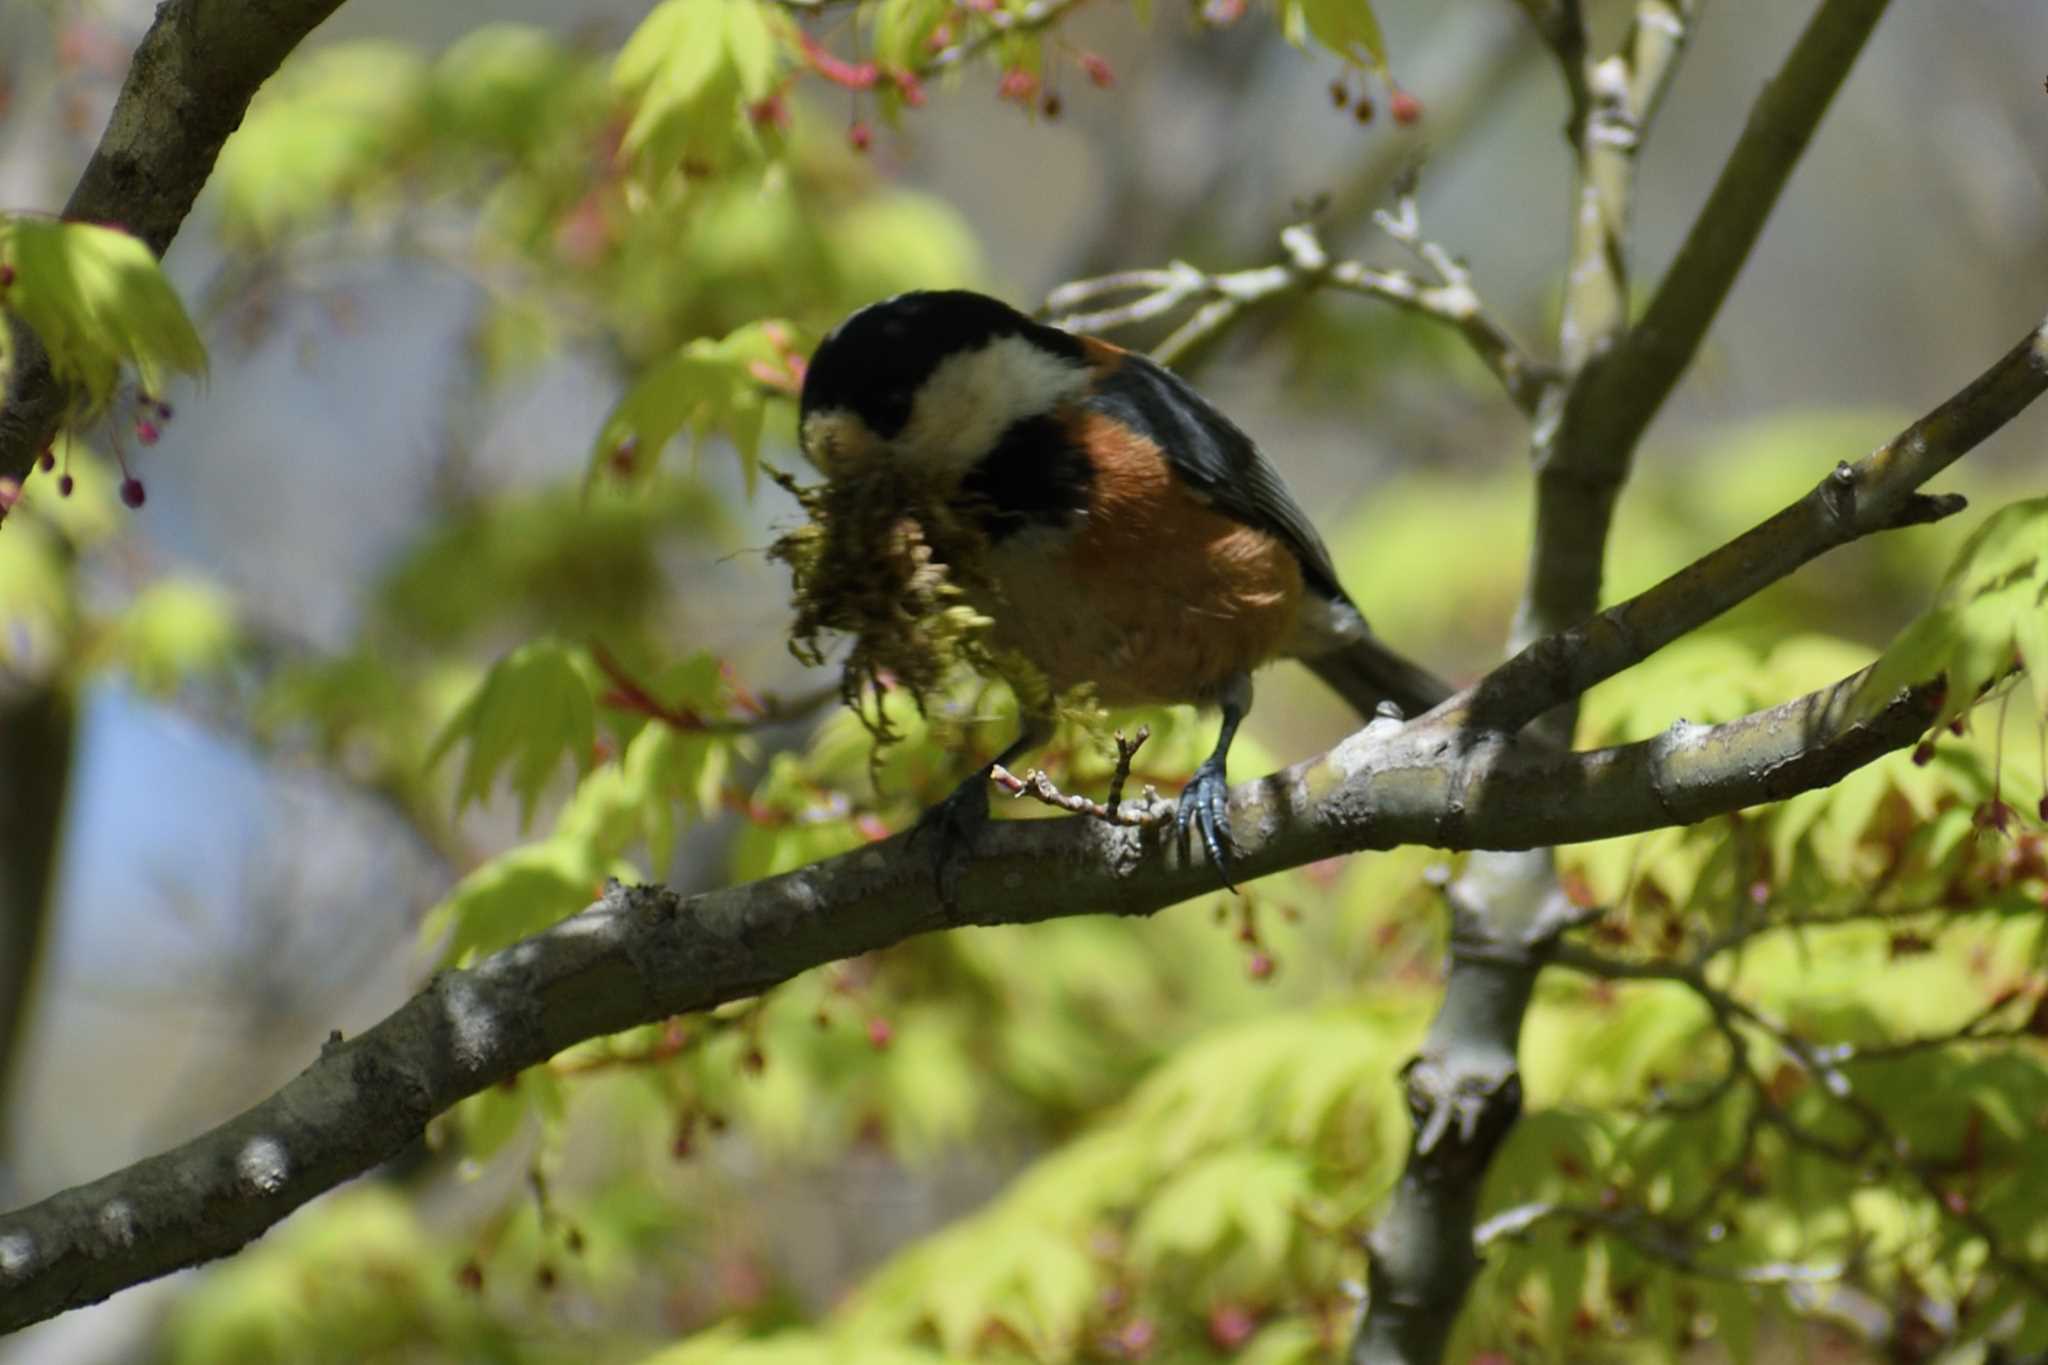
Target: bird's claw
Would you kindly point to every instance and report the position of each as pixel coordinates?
(951, 828)
(1205, 805)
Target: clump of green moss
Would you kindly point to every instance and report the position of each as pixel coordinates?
(887, 560)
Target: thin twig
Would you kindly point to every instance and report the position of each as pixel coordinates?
(759, 712)
(999, 24)
(1039, 787)
(1877, 493)
(1449, 297)
(1650, 1236)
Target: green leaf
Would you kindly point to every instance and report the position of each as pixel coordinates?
(512, 896)
(501, 83)
(902, 28)
(751, 48)
(1991, 609)
(489, 1119)
(98, 300)
(1347, 28)
(330, 124)
(532, 709)
(707, 387)
(691, 69)
(1247, 1193)
(176, 629)
(36, 611)
(730, 1345)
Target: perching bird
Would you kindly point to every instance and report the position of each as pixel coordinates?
(1138, 540)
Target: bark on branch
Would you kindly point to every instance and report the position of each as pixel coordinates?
(187, 88)
(1877, 493)
(1507, 907)
(645, 954)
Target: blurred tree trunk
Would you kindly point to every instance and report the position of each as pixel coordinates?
(36, 727)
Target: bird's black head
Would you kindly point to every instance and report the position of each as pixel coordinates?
(934, 375)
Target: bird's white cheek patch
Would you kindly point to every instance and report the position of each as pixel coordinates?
(972, 398)
(836, 441)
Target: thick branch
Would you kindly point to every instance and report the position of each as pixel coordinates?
(36, 729)
(1876, 493)
(1660, 347)
(1584, 447)
(187, 88)
(1509, 906)
(643, 955)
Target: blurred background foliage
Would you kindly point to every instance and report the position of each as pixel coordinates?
(448, 602)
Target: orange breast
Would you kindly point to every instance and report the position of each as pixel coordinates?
(1155, 597)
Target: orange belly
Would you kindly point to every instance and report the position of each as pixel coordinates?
(1154, 596)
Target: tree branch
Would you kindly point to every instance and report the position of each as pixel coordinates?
(1649, 1236)
(1450, 299)
(1508, 909)
(1880, 1143)
(188, 85)
(1877, 493)
(1624, 399)
(646, 954)
(1585, 442)
(36, 737)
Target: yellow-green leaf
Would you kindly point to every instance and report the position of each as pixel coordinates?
(1990, 613)
(707, 387)
(175, 630)
(1347, 28)
(98, 300)
(534, 708)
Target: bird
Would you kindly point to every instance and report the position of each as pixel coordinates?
(1137, 539)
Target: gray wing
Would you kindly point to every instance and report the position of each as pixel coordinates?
(1218, 460)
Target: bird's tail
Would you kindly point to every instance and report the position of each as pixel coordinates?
(1366, 673)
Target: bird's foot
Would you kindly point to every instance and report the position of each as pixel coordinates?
(1205, 805)
(949, 831)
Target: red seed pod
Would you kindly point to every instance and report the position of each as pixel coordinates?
(880, 1033)
(1017, 84)
(860, 136)
(1923, 753)
(1260, 966)
(910, 87)
(146, 432)
(1231, 1326)
(48, 459)
(1362, 111)
(1052, 105)
(1097, 69)
(6, 275)
(132, 491)
(65, 483)
(1406, 109)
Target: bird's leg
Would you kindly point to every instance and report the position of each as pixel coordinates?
(1205, 801)
(952, 826)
